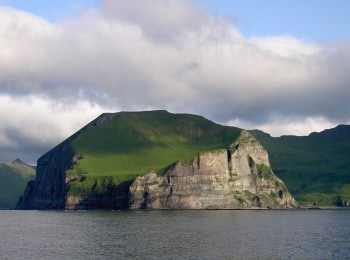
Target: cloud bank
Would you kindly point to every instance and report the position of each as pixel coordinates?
(170, 54)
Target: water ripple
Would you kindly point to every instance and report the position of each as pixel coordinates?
(251, 234)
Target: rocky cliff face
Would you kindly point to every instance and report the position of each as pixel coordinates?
(48, 190)
(240, 177)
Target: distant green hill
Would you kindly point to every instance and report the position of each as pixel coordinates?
(13, 179)
(315, 168)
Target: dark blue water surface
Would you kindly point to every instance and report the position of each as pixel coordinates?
(195, 234)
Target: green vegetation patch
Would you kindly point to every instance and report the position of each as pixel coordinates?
(90, 185)
(13, 180)
(315, 168)
(264, 171)
(136, 142)
(240, 200)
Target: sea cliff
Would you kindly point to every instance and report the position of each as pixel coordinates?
(239, 177)
(231, 171)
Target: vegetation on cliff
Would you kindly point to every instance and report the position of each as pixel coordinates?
(133, 143)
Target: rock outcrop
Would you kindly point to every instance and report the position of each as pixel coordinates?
(238, 177)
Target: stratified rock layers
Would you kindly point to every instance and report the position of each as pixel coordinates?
(238, 177)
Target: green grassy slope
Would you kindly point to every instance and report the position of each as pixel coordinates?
(13, 179)
(136, 142)
(316, 168)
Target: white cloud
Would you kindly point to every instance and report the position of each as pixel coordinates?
(40, 117)
(171, 55)
(36, 124)
(165, 20)
(278, 124)
(286, 46)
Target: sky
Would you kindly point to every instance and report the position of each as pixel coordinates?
(279, 66)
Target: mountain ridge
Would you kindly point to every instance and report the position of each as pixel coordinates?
(95, 167)
(316, 168)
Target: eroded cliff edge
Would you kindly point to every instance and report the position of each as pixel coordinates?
(233, 178)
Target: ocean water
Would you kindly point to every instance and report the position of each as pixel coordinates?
(193, 234)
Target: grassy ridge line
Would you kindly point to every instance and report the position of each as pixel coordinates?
(135, 142)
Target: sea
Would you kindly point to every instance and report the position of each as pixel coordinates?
(180, 234)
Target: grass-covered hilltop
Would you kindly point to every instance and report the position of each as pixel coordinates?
(154, 160)
(128, 144)
(157, 159)
(316, 168)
